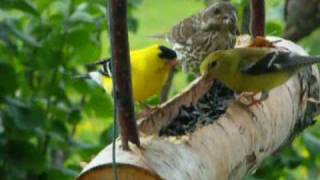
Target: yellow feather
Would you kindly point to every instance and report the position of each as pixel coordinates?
(148, 71)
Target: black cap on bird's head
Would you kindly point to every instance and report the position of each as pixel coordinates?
(168, 54)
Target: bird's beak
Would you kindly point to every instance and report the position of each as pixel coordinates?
(228, 19)
(173, 62)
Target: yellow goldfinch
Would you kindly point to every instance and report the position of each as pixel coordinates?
(254, 69)
(149, 69)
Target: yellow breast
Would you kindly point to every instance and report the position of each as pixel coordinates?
(149, 73)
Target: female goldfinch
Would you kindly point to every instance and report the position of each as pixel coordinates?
(149, 69)
(254, 69)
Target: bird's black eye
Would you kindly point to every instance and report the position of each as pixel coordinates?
(212, 64)
(167, 53)
(217, 11)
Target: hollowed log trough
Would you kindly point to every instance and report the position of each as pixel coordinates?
(230, 148)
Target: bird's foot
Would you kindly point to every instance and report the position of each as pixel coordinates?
(250, 98)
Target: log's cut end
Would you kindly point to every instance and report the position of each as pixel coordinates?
(125, 171)
(129, 165)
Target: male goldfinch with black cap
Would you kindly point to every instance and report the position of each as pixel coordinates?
(149, 70)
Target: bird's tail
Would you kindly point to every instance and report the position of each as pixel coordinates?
(81, 76)
(300, 61)
(91, 75)
(158, 36)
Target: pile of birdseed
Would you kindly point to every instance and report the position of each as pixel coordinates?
(209, 108)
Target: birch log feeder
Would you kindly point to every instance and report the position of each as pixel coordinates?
(230, 148)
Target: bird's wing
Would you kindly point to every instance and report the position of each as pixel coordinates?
(271, 62)
(279, 61)
(158, 36)
(184, 30)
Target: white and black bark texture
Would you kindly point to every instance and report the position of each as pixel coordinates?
(232, 147)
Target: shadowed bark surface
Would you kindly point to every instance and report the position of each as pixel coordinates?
(302, 17)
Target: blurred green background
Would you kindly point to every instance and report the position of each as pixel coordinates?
(51, 125)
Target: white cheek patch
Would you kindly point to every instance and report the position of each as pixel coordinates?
(97, 77)
(227, 21)
(179, 48)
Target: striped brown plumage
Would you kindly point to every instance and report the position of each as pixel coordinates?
(195, 37)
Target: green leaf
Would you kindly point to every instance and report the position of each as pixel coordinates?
(61, 173)
(58, 131)
(79, 85)
(1, 129)
(56, 13)
(106, 136)
(291, 158)
(99, 104)
(274, 28)
(86, 150)
(84, 44)
(50, 55)
(25, 117)
(81, 15)
(21, 35)
(24, 155)
(60, 8)
(8, 79)
(134, 3)
(132, 24)
(75, 115)
(6, 42)
(23, 5)
(312, 143)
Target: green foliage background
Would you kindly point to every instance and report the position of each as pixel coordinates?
(52, 124)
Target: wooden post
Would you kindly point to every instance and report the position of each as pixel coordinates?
(122, 89)
(257, 23)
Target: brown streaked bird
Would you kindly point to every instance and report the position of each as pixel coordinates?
(194, 38)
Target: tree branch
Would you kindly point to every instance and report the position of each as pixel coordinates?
(257, 23)
(166, 88)
(232, 147)
(245, 24)
(122, 90)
